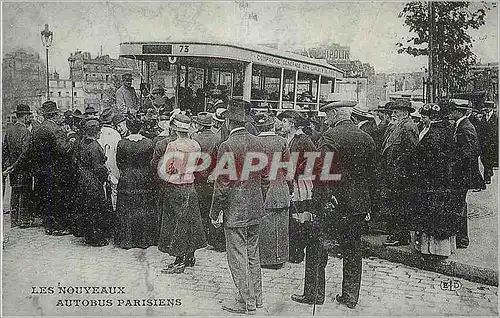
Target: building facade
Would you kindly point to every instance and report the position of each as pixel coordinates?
(101, 77)
(23, 80)
(61, 91)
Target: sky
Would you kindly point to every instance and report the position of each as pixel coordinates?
(370, 29)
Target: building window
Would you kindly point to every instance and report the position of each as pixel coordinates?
(74, 94)
(51, 94)
(73, 84)
(107, 78)
(86, 77)
(59, 94)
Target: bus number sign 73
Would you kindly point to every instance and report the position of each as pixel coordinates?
(184, 48)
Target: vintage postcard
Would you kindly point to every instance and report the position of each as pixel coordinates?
(224, 158)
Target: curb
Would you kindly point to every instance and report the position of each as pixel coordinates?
(447, 267)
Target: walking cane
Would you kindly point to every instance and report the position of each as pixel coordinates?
(316, 272)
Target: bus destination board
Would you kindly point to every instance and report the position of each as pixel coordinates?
(157, 49)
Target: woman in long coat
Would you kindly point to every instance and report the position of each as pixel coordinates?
(434, 220)
(181, 231)
(136, 217)
(91, 198)
(273, 237)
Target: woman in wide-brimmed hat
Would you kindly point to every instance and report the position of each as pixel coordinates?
(434, 221)
(181, 232)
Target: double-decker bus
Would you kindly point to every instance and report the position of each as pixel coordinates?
(264, 76)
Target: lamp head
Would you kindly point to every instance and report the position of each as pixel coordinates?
(47, 36)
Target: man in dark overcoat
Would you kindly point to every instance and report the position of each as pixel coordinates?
(49, 150)
(464, 166)
(489, 156)
(378, 135)
(209, 142)
(16, 141)
(353, 152)
(395, 170)
(242, 204)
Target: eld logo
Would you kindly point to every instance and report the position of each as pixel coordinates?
(451, 285)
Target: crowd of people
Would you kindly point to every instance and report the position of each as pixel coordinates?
(116, 176)
(425, 166)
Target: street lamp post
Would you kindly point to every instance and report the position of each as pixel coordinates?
(71, 60)
(47, 36)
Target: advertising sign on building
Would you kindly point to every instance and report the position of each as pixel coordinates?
(337, 53)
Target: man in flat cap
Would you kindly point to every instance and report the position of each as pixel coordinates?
(299, 143)
(49, 150)
(396, 170)
(16, 141)
(126, 97)
(340, 206)
(242, 204)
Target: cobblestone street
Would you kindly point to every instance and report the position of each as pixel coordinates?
(33, 259)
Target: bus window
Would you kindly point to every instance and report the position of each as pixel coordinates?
(238, 83)
(307, 89)
(225, 79)
(327, 84)
(265, 92)
(288, 89)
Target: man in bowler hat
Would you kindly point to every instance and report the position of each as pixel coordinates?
(464, 166)
(49, 150)
(395, 172)
(16, 141)
(340, 207)
(242, 205)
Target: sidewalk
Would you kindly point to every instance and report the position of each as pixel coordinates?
(478, 262)
(33, 259)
